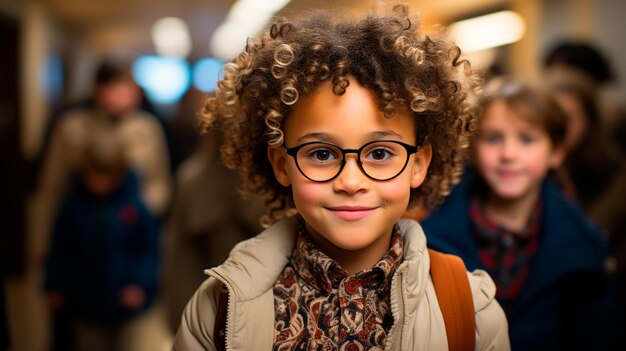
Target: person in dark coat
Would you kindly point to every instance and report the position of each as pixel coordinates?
(508, 218)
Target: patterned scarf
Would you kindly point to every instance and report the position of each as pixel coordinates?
(505, 254)
(319, 306)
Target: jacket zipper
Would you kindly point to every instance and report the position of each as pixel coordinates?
(229, 309)
(395, 312)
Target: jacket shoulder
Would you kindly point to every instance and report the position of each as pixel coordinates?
(567, 223)
(198, 319)
(492, 332)
(254, 264)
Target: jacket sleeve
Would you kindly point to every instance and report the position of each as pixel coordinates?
(53, 181)
(492, 331)
(196, 327)
(148, 155)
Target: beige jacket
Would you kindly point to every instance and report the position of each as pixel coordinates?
(252, 268)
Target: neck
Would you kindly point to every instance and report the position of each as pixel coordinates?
(353, 261)
(512, 214)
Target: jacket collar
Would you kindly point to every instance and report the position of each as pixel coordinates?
(325, 274)
(254, 264)
(579, 244)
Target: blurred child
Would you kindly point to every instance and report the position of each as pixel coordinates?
(102, 266)
(508, 218)
(337, 123)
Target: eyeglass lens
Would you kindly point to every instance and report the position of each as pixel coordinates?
(379, 160)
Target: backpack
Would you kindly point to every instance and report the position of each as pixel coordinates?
(453, 293)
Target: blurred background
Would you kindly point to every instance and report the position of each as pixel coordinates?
(50, 51)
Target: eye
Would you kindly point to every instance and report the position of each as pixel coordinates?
(322, 155)
(491, 138)
(379, 154)
(527, 138)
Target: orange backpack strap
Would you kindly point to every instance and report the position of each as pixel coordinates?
(455, 299)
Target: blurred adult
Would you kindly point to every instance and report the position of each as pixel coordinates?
(113, 107)
(200, 236)
(594, 161)
(116, 99)
(585, 65)
(597, 170)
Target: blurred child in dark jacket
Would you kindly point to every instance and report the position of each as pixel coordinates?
(102, 267)
(508, 218)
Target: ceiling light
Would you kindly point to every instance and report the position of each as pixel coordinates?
(488, 31)
(171, 37)
(245, 19)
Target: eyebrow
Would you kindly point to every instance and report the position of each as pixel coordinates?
(327, 137)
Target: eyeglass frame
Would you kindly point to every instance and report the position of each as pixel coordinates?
(410, 149)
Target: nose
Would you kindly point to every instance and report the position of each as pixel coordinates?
(351, 180)
(509, 150)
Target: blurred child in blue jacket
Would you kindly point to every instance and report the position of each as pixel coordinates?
(102, 266)
(508, 218)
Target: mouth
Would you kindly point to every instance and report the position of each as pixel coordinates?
(351, 213)
(506, 174)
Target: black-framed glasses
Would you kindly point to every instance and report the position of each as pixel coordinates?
(379, 160)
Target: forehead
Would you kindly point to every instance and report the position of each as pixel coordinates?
(352, 117)
(500, 115)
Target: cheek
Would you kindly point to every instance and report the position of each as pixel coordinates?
(307, 193)
(538, 166)
(395, 192)
(484, 157)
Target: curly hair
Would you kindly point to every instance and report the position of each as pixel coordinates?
(383, 52)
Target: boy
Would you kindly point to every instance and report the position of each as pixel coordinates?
(511, 220)
(102, 266)
(338, 121)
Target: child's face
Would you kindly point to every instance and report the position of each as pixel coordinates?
(350, 212)
(513, 155)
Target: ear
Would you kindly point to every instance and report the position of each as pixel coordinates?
(420, 165)
(278, 159)
(559, 152)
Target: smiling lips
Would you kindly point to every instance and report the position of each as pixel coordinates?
(349, 213)
(507, 174)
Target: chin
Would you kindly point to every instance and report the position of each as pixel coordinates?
(510, 195)
(351, 237)
(351, 245)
